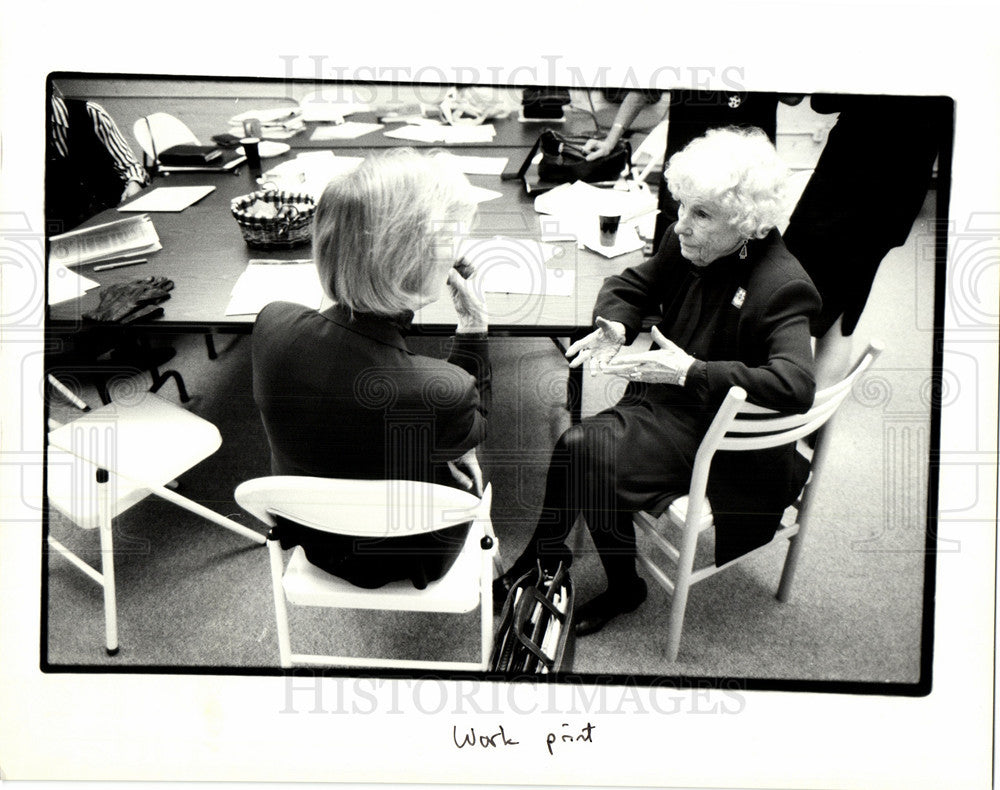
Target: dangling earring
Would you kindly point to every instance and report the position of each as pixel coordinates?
(743, 251)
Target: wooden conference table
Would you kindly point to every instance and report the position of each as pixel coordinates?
(204, 254)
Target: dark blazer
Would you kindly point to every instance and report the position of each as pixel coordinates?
(746, 322)
(343, 396)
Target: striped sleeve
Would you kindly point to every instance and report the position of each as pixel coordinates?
(60, 123)
(127, 166)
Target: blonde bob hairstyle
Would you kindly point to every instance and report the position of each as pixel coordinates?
(738, 170)
(377, 230)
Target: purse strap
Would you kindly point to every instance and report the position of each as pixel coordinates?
(522, 172)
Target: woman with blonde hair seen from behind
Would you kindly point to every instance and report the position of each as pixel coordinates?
(732, 307)
(339, 391)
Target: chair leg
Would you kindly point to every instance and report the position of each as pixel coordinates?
(210, 346)
(486, 604)
(678, 602)
(181, 501)
(102, 390)
(280, 610)
(159, 379)
(791, 563)
(107, 563)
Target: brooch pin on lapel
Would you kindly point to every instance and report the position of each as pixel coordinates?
(739, 297)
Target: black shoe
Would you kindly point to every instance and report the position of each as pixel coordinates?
(597, 612)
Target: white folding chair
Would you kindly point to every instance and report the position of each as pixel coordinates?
(109, 459)
(738, 426)
(159, 131)
(375, 509)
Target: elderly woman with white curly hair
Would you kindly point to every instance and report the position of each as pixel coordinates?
(339, 391)
(730, 307)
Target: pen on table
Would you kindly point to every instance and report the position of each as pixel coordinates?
(642, 213)
(106, 266)
(67, 393)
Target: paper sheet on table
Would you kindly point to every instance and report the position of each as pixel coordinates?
(482, 194)
(581, 199)
(168, 199)
(468, 134)
(265, 281)
(444, 134)
(425, 133)
(517, 266)
(310, 172)
(627, 240)
(585, 229)
(480, 165)
(65, 284)
(123, 237)
(344, 131)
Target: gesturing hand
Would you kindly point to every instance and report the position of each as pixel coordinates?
(668, 364)
(600, 346)
(473, 315)
(470, 475)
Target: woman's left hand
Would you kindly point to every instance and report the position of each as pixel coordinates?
(668, 364)
(467, 472)
(132, 188)
(473, 315)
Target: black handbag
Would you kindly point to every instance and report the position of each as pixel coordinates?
(544, 103)
(536, 625)
(564, 161)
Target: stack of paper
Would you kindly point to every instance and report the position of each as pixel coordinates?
(266, 281)
(517, 266)
(131, 236)
(310, 172)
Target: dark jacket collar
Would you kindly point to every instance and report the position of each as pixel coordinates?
(384, 329)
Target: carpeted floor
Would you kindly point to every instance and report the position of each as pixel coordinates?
(193, 595)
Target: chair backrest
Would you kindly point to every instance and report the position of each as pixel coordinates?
(166, 130)
(742, 426)
(364, 508)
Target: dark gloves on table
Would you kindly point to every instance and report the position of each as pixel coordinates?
(124, 303)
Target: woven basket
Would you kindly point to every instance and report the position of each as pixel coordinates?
(291, 227)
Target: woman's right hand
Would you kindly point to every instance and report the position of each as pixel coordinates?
(600, 346)
(473, 316)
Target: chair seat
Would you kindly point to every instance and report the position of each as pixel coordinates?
(678, 513)
(153, 441)
(72, 489)
(456, 592)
